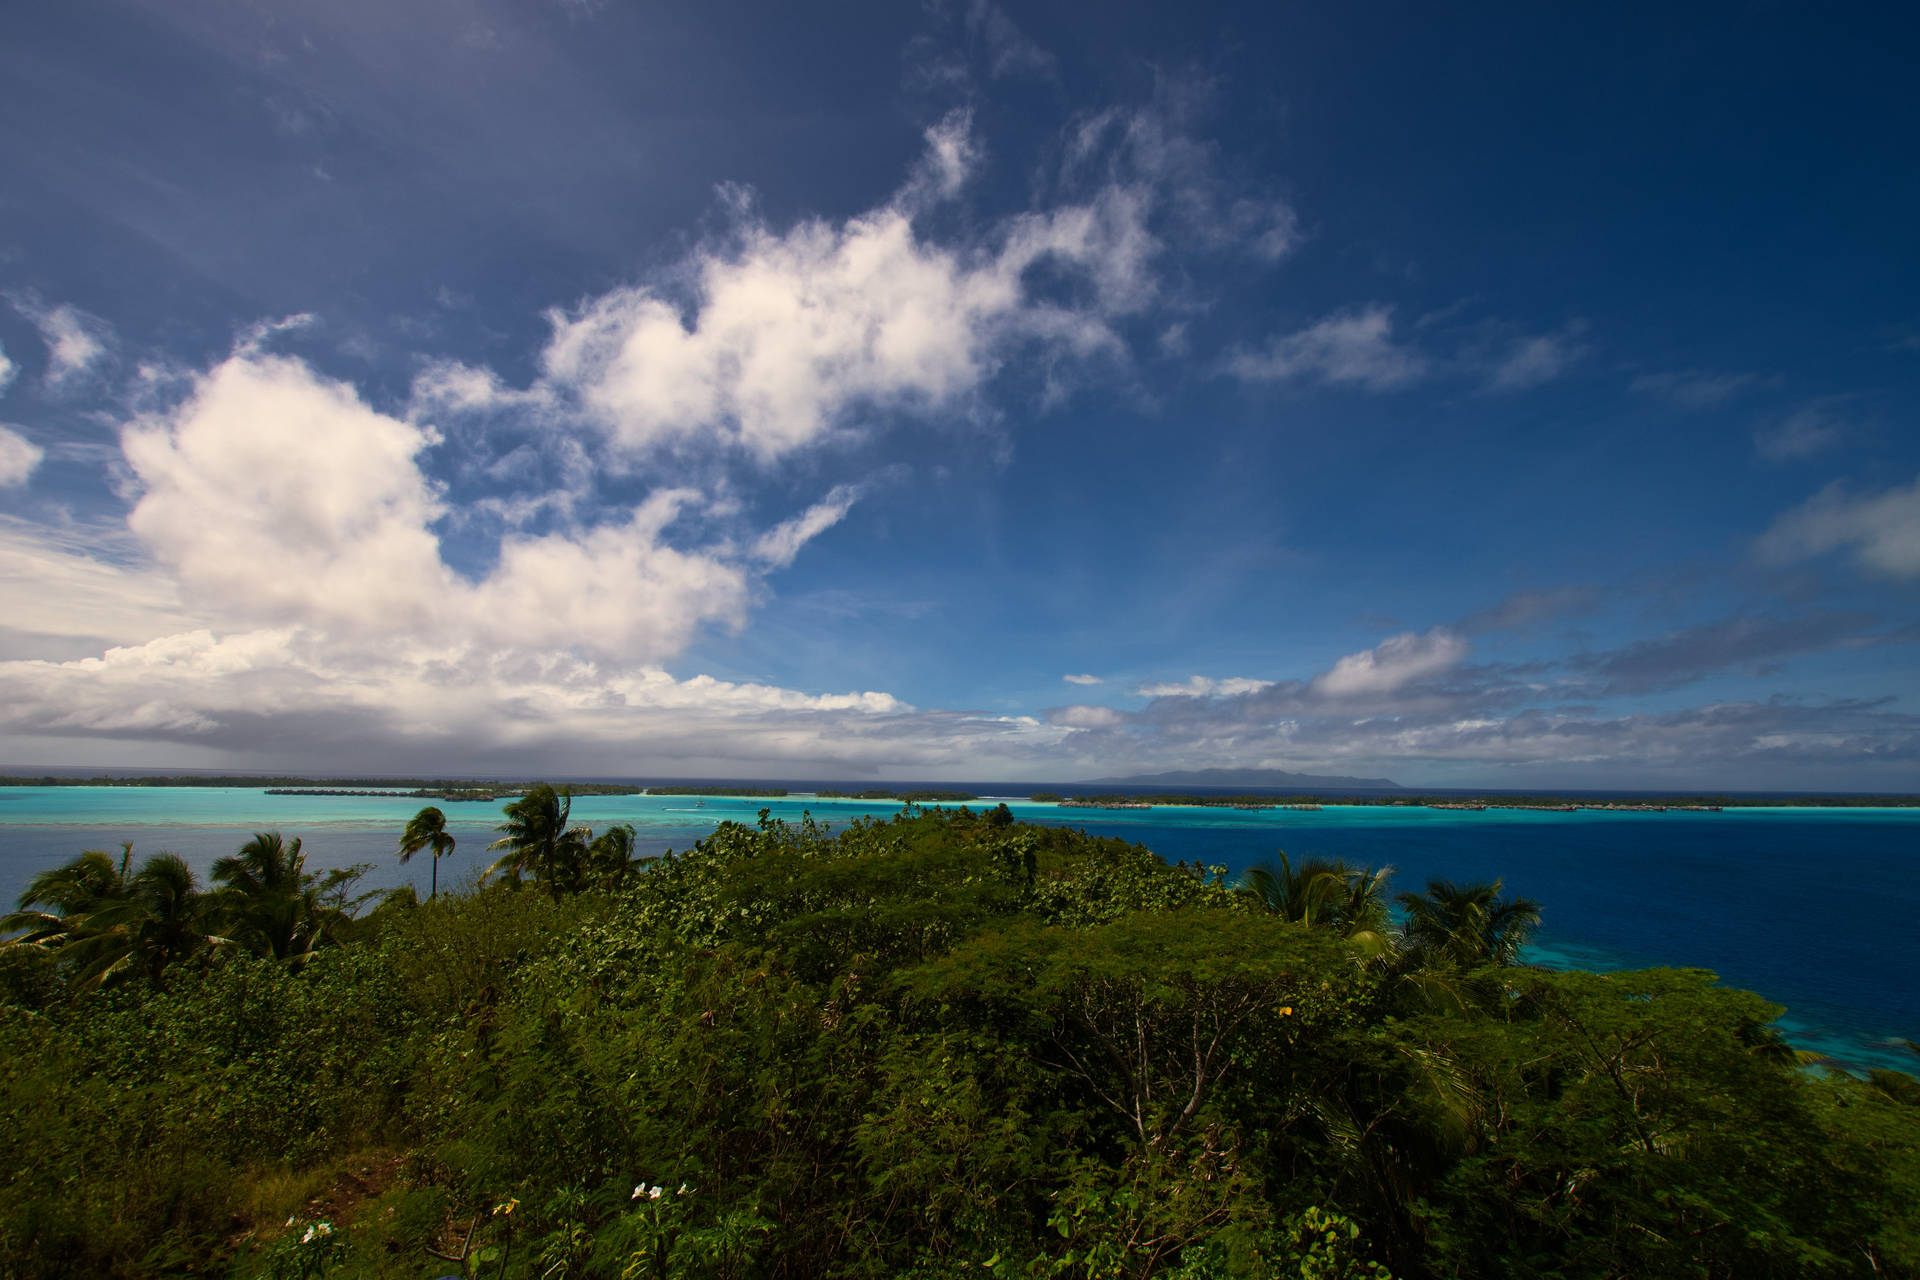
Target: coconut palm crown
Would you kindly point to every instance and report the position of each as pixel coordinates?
(273, 904)
(427, 829)
(538, 840)
(1466, 926)
(1327, 893)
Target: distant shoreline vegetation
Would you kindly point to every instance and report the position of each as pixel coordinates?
(909, 797)
(1569, 804)
(437, 788)
(453, 794)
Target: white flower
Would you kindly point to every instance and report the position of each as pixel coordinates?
(654, 1194)
(684, 1188)
(638, 1192)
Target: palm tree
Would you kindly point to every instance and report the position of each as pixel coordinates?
(610, 856)
(1466, 926)
(427, 828)
(1360, 912)
(536, 838)
(1328, 893)
(1299, 894)
(274, 904)
(160, 920)
(69, 893)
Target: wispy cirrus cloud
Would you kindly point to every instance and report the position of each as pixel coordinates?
(1202, 687)
(1538, 359)
(1355, 348)
(1882, 530)
(77, 341)
(85, 583)
(1695, 388)
(1363, 347)
(1749, 641)
(778, 546)
(1524, 609)
(1008, 50)
(1808, 430)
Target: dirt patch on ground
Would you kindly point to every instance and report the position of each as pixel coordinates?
(358, 1182)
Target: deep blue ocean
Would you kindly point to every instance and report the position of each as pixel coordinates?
(1814, 908)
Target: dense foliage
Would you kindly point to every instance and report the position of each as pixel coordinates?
(945, 1045)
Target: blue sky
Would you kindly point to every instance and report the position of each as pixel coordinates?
(1521, 397)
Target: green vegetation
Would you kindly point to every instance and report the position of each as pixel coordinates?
(910, 797)
(423, 788)
(462, 794)
(940, 1046)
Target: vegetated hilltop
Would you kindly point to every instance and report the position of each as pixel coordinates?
(945, 1045)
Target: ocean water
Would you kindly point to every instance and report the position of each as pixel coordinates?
(1813, 908)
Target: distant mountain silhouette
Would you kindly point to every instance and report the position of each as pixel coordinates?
(1244, 778)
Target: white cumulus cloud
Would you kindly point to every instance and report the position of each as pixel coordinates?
(276, 496)
(280, 565)
(787, 334)
(1082, 679)
(18, 458)
(1391, 664)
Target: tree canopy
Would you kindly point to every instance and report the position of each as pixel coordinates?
(944, 1045)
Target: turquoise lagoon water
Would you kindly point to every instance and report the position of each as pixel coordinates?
(1813, 908)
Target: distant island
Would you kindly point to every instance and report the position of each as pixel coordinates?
(1242, 778)
(909, 797)
(1649, 803)
(418, 788)
(450, 794)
